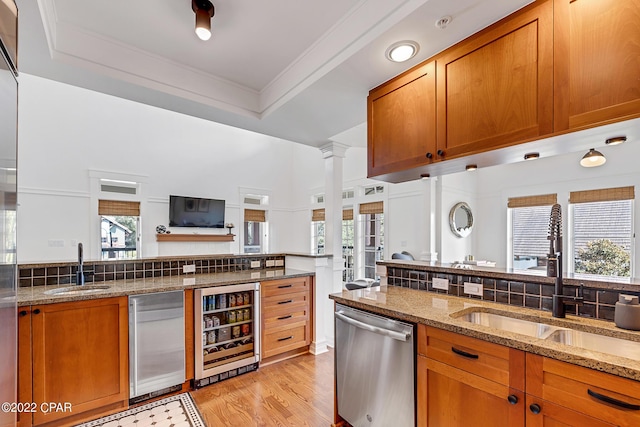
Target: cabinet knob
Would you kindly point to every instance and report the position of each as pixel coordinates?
(23, 313)
(440, 153)
(429, 155)
(535, 408)
(36, 311)
(513, 399)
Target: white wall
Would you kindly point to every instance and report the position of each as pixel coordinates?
(65, 132)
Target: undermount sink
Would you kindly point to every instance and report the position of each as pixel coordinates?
(509, 324)
(601, 343)
(77, 290)
(562, 335)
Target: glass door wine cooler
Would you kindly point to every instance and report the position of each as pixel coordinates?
(227, 330)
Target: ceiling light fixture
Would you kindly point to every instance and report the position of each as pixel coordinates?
(424, 175)
(204, 11)
(616, 141)
(531, 156)
(472, 167)
(402, 51)
(443, 22)
(592, 158)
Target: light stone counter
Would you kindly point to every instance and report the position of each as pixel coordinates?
(444, 312)
(36, 294)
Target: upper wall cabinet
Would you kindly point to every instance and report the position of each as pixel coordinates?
(402, 121)
(496, 87)
(597, 62)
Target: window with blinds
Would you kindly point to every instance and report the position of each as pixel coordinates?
(529, 227)
(254, 230)
(602, 233)
(119, 225)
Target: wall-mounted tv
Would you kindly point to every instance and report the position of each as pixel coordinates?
(195, 212)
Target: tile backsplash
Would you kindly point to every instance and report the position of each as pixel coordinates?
(598, 303)
(101, 271)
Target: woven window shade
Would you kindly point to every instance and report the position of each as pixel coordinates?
(317, 215)
(118, 207)
(530, 201)
(602, 195)
(347, 214)
(371, 208)
(255, 215)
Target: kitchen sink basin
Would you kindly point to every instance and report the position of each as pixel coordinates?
(559, 334)
(601, 343)
(509, 324)
(77, 290)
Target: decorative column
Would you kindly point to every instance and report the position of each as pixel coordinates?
(428, 227)
(333, 154)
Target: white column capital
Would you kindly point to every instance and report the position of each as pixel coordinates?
(333, 149)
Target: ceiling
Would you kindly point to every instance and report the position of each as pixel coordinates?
(296, 70)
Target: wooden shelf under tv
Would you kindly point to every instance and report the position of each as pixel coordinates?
(195, 237)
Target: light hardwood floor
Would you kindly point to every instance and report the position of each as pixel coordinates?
(295, 392)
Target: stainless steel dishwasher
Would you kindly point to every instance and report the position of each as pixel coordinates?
(375, 370)
(156, 344)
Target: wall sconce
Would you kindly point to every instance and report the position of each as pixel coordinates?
(204, 11)
(592, 158)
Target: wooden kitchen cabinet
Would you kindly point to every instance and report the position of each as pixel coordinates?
(464, 381)
(566, 393)
(78, 355)
(596, 51)
(286, 317)
(401, 122)
(495, 88)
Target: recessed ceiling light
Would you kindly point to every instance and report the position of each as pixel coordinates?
(592, 158)
(616, 141)
(443, 22)
(472, 167)
(402, 51)
(424, 175)
(531, 156)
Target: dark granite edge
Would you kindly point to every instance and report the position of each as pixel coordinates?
(128, 287)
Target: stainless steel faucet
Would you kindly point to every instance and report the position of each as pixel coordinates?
(80, 271)
(554, 264)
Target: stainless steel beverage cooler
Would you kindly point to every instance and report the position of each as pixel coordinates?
(227, 330)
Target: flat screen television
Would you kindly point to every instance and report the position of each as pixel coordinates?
(195, 212)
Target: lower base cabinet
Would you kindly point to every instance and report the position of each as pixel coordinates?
(78, 356)
(463, 381)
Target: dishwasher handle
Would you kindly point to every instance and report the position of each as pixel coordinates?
(400, 336)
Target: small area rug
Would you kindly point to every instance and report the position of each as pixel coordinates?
(174, 411)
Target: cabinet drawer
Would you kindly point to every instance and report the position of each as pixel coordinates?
(284, 286)
(584, 390)
(494, 362)
(285, 302)
(284, 340)
(281, 320)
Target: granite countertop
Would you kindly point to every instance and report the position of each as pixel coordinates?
(507, 273)
(444, 312)
(36, 294)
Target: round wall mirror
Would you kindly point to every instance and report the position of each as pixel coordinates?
(461, 219)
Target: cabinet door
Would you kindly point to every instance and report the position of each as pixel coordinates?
(541, 413)
(495, 88)
(80, 355)
(402, 122)
(450, 397)
(597, 46)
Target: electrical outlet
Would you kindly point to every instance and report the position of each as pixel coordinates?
(473, 288)
(279, 263)
(189, 281)
(189, 268)
(255, 264)
(440, 283)
(270, 262)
